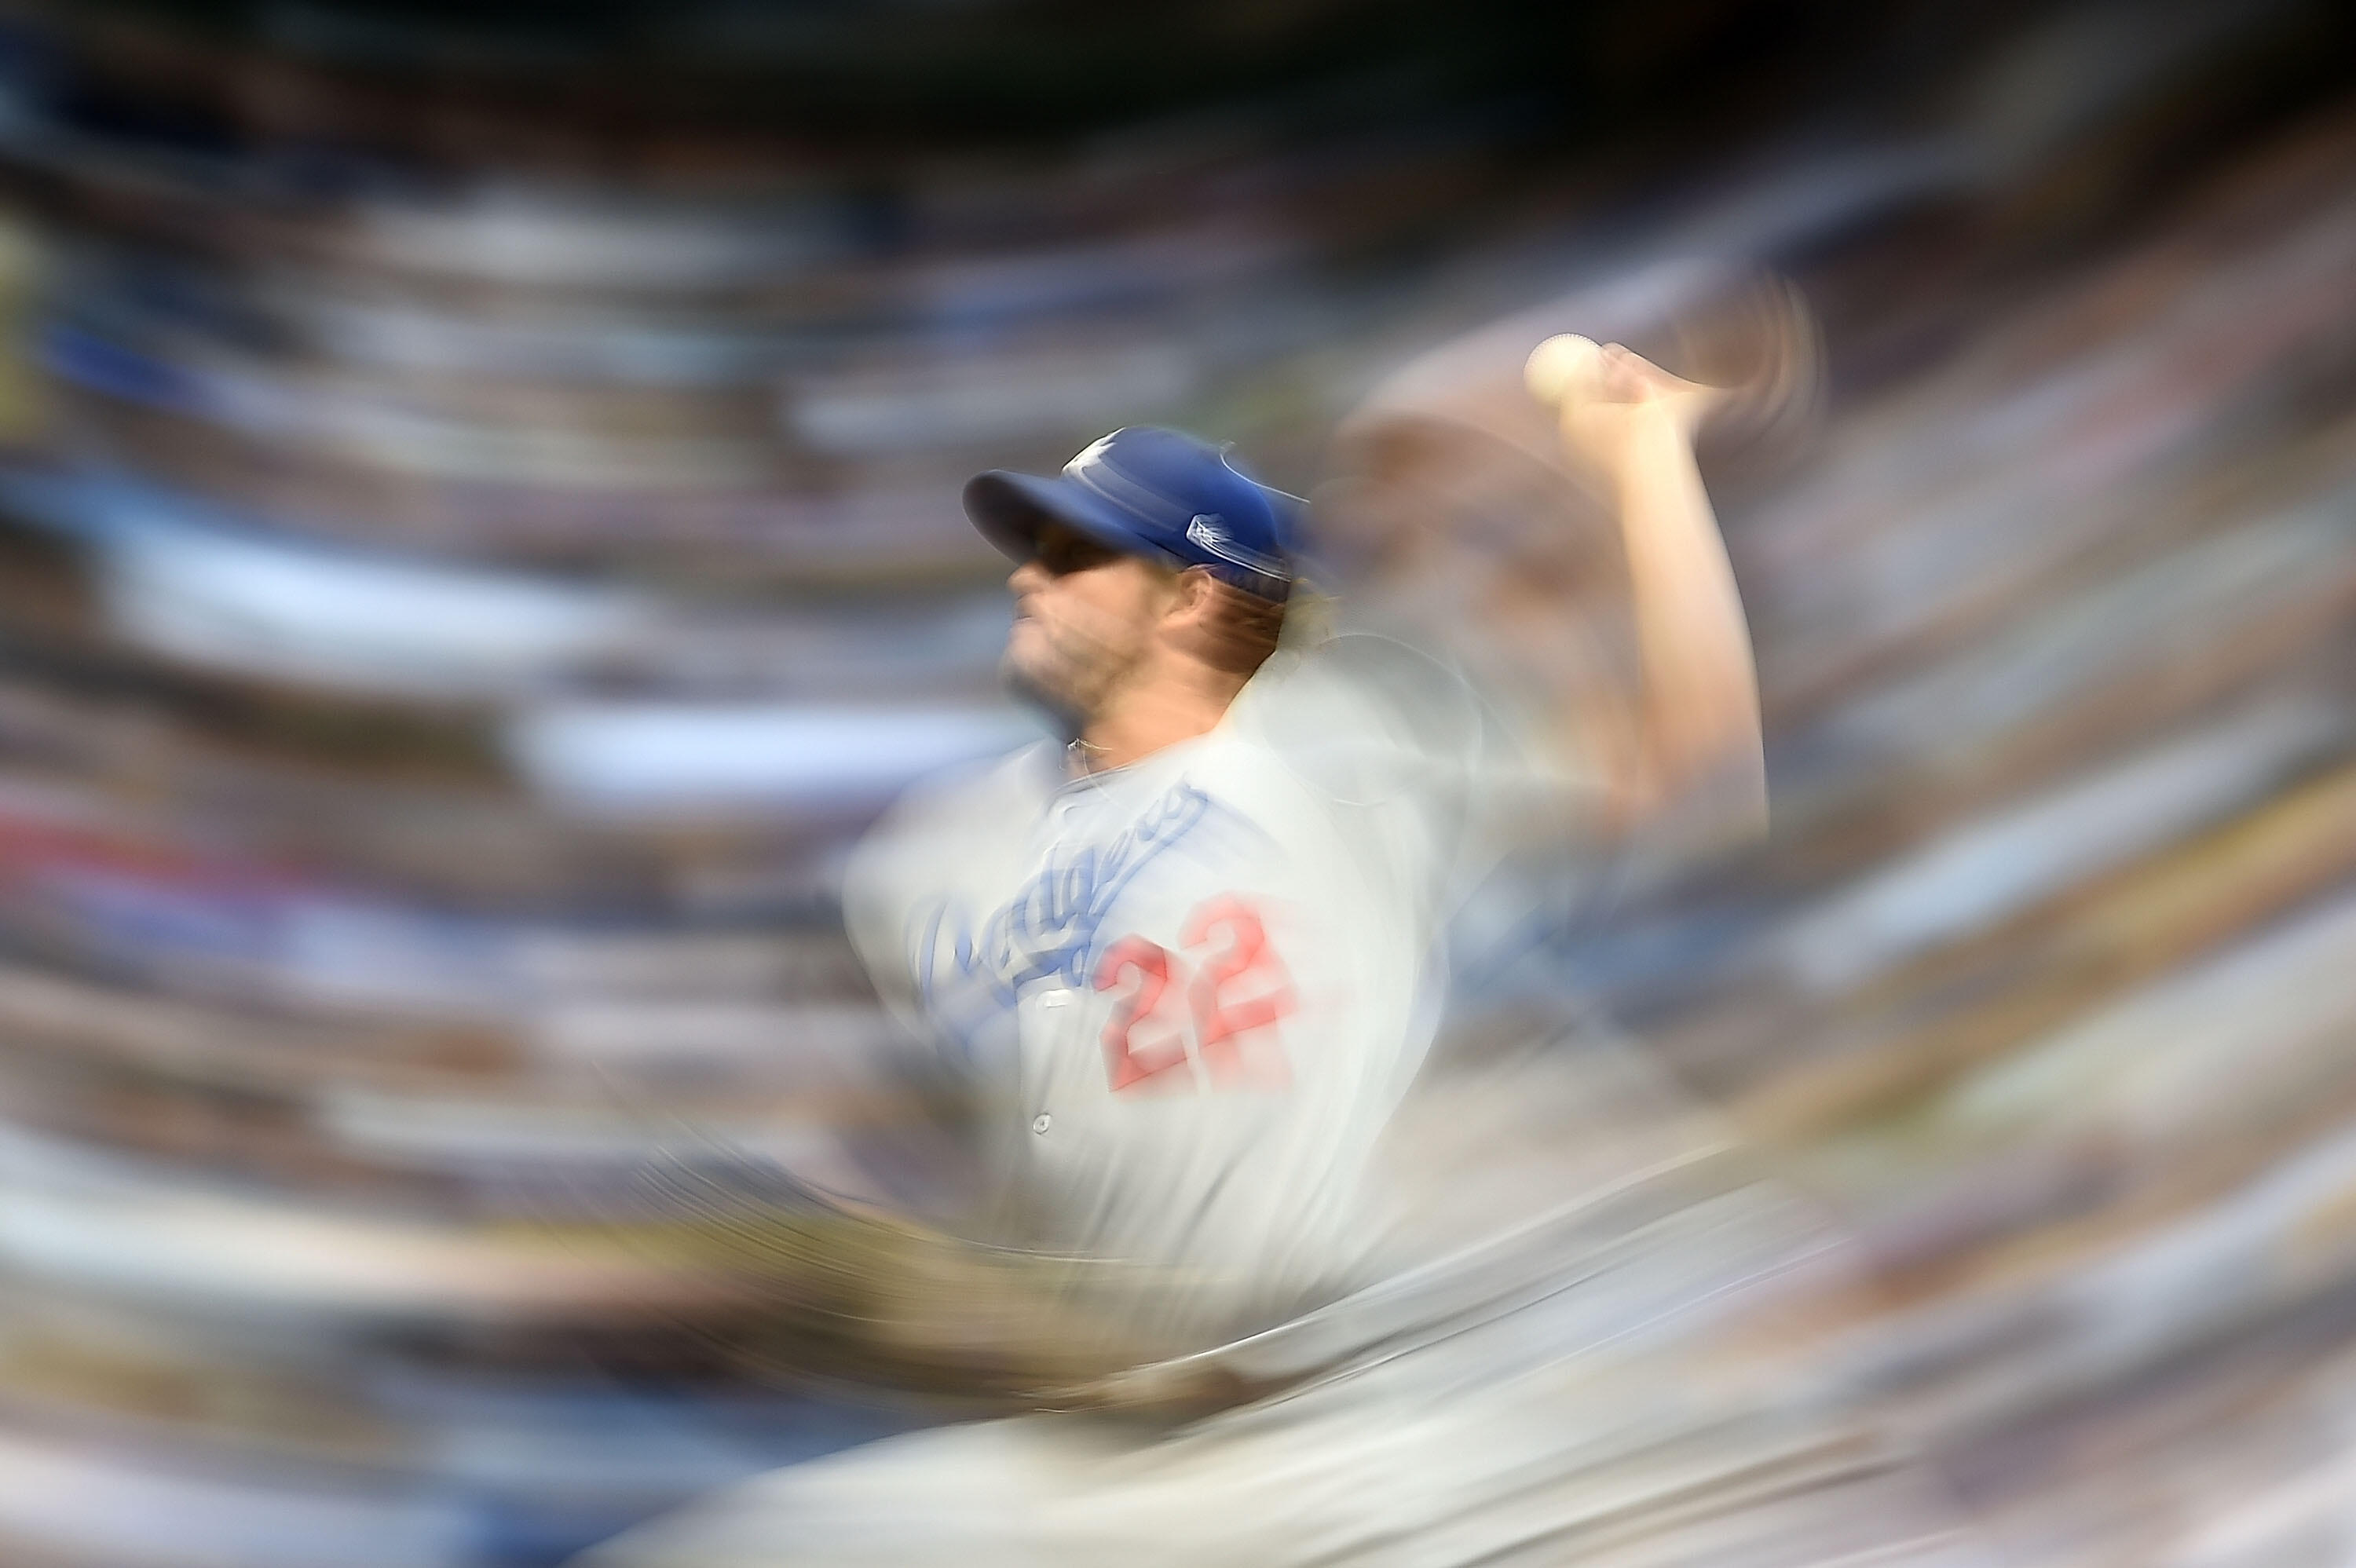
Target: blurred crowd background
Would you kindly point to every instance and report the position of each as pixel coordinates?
(479, 537)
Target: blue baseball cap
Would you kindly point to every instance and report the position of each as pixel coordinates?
(1151, 492)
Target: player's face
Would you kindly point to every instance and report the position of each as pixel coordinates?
(1084, 622)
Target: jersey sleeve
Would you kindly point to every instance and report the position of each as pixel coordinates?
(895, 878)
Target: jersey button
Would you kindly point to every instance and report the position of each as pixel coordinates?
(1054, 998)
(1042, 1122)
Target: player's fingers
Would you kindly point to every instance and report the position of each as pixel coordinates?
(1568, 370)
(1626, 375)
(1629, 377)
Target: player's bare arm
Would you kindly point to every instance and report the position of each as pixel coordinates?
(1631, 425)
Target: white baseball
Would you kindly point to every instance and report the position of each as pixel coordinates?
(1561, 365)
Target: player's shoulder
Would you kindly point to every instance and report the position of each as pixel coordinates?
(1359, 720)
(1318, 754)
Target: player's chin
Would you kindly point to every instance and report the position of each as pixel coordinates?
(1035, 677)
(1028, 651)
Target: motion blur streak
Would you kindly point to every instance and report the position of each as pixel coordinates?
(480, 541)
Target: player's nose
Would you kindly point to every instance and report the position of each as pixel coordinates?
(1027, 578)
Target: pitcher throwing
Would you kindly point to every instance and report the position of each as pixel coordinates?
(1188, 965)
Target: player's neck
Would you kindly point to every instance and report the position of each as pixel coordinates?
(1149, 718)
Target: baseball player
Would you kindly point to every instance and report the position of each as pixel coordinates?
(1190, 975)
(1187, 963)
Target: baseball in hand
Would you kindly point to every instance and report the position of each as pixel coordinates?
(1561, 367)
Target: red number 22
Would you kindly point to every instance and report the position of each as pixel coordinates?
(1239, 990)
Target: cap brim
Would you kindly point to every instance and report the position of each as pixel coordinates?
(1010, 509)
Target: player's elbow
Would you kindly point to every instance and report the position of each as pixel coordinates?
(1706, 797)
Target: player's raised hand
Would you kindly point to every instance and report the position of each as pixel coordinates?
(1605, 395)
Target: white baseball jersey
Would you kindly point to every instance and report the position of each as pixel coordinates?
(1191, 991)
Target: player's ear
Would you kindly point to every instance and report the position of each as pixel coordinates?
(1194, 598)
